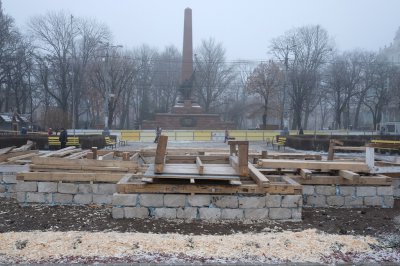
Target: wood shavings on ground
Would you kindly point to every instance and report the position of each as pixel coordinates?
(306, 246)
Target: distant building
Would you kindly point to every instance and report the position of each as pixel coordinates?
(10, 121)
(392, 52)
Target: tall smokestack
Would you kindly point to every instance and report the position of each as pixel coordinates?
(187, 52)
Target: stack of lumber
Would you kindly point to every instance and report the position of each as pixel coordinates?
(106, 167)
(309, 172)
(205, 174)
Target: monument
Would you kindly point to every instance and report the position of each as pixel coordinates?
(187, 113)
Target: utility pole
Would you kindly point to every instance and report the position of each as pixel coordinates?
(285, 122)
(73, 77)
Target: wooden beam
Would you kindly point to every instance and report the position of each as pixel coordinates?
(6, 150)
(69, 177)
(243, 158)
(215, 159)
(52, 153)
(199, 165)
(264, 154)
(349, 175)
(125, 156)
(110, 169)
(77, 155)
(349, 148)
(94, 152)
(159, 160)
(314, 165)
(257, 176)
(378, 180)
(4, 157)
(134, 157)
(108, 156)
(24, 156)
(61, 161)
(305, 173)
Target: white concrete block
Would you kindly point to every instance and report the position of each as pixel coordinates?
(151, 200)
(256, 214)
(186, 213)
(232, 214)
(251, 202)
(366, 191)
(280, 213)
(210, 214)
(273, 201)
(47, 187)
(124, 199)
(174, 200)
(292, 201)
(83, 198)
(136, 212)
(67, 188)
(26, 186)
(222, 201)
(166, 213)
(199, 200)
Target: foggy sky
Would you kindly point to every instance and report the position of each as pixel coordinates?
(245, 27)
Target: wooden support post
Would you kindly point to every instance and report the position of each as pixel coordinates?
(264, 154)
(370, 157)
(244, 159)
(349, 175)
(305, 173)
(94, 151)
(125, 156)
(232, 149)
(331, 150)
(89, 155)
(200, 165)
(159, 160)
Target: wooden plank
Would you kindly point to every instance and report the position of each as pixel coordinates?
(87, 162)
(6, 150)
(94, 153)
(192, 181)
(234, 162)
(125, 156)
(77, 155)
(108, 156)
(257, 176)
(159, 159)
(188, 188)
(317, 165)
(222, 159)
(199, 165)
(211, 169)
(349, 175)
(42, 167)
(4, 157)
(349, 148)
(29, 144)
(295, 156)
(305, 173)
(24, 156)
(134, 157)
(235, 182)
(338, 180)
(69, 177)
(243, 159)
(49, 154)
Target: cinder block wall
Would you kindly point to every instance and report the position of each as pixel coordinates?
(55, 193)
(396, 187)
(348, 196)
(207, 207)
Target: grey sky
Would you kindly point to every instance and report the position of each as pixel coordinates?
(245, 27)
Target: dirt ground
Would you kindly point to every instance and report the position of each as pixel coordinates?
(382, 224)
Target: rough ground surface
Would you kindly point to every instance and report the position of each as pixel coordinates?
(381, 225)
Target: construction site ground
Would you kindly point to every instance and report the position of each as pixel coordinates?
(31, 234)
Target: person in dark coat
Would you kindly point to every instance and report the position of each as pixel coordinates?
(63, 138)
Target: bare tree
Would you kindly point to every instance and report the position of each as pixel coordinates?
(380, 93)
(212, 75)
(266, 81)
(343, 77)
(166, 80)
(304, 50)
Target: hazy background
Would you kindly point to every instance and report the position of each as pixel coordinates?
(244, 27)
